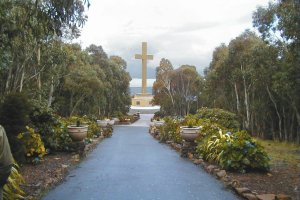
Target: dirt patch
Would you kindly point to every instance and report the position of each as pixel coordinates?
(38, 178)
(280, 181)
(284, 176)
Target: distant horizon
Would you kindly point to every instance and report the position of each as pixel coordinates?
(137, 82)
(138, 90)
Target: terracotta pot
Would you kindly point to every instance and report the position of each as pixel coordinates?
(77, 133)
(189, 134)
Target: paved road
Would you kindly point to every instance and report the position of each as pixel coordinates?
(131, 165)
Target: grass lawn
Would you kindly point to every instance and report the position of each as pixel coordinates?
(282, 152)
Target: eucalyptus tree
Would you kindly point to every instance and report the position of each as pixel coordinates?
(279, 25)
(115, 91)
(217, 90)
(24, 27)
(163, 92)
(175, 90)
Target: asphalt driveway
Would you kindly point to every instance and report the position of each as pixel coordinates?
(132, 165)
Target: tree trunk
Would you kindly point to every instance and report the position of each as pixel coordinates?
(76, 104)
(298, 122)
(51, 93)
(39, 82)
(291, 136)
(22, 80)
(237, 99)
(277, 112)
(284, 124)
(247, 121)
(7, 85)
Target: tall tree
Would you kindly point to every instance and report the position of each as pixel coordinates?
(279, 25)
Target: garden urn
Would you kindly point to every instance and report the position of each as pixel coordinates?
(102, 123)
(111, 122)
(77, 133)
(158, 123)
(189, 134)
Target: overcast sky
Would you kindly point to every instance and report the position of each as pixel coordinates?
(183, 31)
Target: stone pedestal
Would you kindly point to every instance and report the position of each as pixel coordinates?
(188, 147)
(142, 100)
(77, 147)
(107, 131)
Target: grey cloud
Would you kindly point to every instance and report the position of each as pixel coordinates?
(191, 27)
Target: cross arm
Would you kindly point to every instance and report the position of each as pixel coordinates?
(138, 56)
(150, 57)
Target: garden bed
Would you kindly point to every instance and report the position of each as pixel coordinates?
(283, 177)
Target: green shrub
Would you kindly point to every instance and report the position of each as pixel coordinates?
(107, 132)
(93, 130)
(213, 146)
(238, 151)
(117, 114)
(46, 123)
(34, 146)
(244, 153)
(208, 127)
(170, 130)
(158, 115)
(14, 116)
(12, 189)
(219, 116)
(61, 138)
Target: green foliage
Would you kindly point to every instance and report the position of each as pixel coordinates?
(213, 146)
(208, 127)
(93, 129)
(190, 121)
(224, 118)
(46, 123)
(53, 129)
(61, 139)
(171, 130)
(12, 189)
(175, 90)
(158, 115)
(128, 118)
(243, 153)
(238, 151)
(14, 114)
(34, 147)
(118, 114)
(107, 131)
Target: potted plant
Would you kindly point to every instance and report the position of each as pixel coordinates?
(111, 122)
(158, 122)
(117, 120)
(189, 133)
(78, 132)
(102, 122)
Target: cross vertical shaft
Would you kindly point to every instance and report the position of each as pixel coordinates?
(144, 57)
